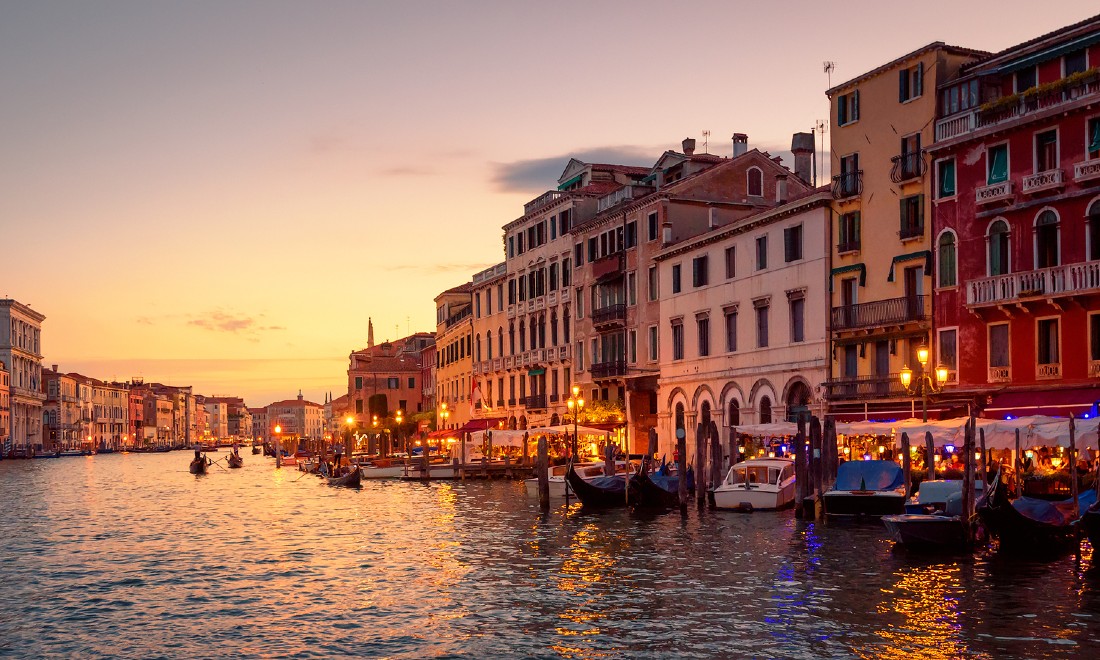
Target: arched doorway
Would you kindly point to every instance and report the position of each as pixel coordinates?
(734, 416)
(679, 424)
(523, 423)
(704, 414)
(512, 422)
(798, 401)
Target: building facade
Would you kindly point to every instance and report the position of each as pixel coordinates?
(487, 289)
(301, 423)
(61, 412)
(386, 377)
(21, 351)
(454, 350)
(5, 410)
(881, 245)
(1016, 166)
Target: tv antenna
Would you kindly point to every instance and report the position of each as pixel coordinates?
(828, 67)
(821, 127)
(706, 140)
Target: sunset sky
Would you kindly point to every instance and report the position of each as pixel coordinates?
(220, 193)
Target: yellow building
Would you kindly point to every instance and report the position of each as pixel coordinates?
(881, 298)
(454, 356)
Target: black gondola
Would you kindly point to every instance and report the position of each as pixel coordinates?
(198, 466)
(235, 461)
(1090, 522)
(654, 490)
(1028, 524)
(352, 479)
(255, 449)
(598, 492)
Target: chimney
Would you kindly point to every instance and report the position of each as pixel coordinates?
(55, 368)
(740, 144)
(802, 147)
(689, 146)
(780, 189)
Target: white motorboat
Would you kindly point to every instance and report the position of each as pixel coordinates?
(559, 487)
(394, 470)
(758, 483)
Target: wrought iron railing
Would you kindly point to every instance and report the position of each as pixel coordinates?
(864, 387)
(907, 166)
(882, 312)
(609, 314)
(848, 184)
(610, 369)
(911, 231)
(849, 246)
(536, 402)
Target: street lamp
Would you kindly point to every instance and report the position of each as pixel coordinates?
(278, 447)
(575, 404)
(924, 385)
(445, 414)
(349, 420)
(398, 417)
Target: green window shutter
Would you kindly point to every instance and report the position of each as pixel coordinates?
(1094, 135)
(947, 178)
(918, 84)
(904, 214)
(920, 211)
(998, 164)
(903, 85)
(855, 105)
(842, 110)
(857, 228)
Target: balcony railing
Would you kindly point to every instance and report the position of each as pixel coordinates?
(1049, 180)
(907, 167)
(536, 402)
(850, 246)
(882, 312)
(511, 402)
(1048, 371)
(609, 314)
(459, 317)
(1024, 104)
(548, 197)
(500, 403)
(1089, 169)
(994, 192)
(865, 387)
(1000, 374)
(612, 369)
(848, 184)
(911, 231)
(1059, 280)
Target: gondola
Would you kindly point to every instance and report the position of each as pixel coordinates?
(198, 466)
(352, 479)
(598, 492)
(1090, 522)
(654, 490)
(255, 450)
(235, 461)
(1029, 524)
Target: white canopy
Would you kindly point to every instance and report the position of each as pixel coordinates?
(509, 438)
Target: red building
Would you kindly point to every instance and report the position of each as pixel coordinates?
(1017, 227)
(386, 377)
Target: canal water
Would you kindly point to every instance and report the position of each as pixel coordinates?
(129, 556)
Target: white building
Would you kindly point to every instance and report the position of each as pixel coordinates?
(742, 331)
(21, 351)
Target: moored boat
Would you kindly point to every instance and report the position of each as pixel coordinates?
(1090, 522)
(1028, 524)
(559, 487)
(659, 489)
(867, 488)
(349, 480)
(758, 483)
(599, 492)
(933, 519)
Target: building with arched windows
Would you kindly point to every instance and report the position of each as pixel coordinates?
(1016, 216)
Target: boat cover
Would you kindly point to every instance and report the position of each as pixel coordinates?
(869, 475)
(1053, 513)
(665, 481)
(610, 484)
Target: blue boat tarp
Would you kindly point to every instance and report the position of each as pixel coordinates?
(611, 484)
(666, 482)
(1053, 513)
(869, 475)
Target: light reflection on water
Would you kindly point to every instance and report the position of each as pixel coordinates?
(130, 556)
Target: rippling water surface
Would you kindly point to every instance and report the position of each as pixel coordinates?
(131, 556)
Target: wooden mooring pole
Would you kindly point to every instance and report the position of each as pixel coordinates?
(715, 460)
(701, 465)
(930, 446)
(906, 464)
(800, 473)
(815, 466)
(681, 469)
(542, 471)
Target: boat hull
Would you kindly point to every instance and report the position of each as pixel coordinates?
(1090, 523)
(593, 494)
(737, 496)
(389, 472)
(857, 503)
(927, 531)
(350, 480)
(197, 467)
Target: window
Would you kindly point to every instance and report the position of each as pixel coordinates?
(676, 278)
(947, 261)
(580, 302)
(566, 273)
(580, 355)
(631, 289)
(798, 327)
(998, 346)
(652, 282)
(593, 249)
(1046, 151)
(731, 262)
(945, 178)
(699, 271)
(677, 340)
(766, 410)
(1046, 240)
(565, 323)
(848, 183)
(998, 248)
(412, 383)
(393, 383)
(578, 254)
(633, 346)
(1047, 336)
(500, 297)
(847, 108)
(564, 221)
(1093, 138)
(358, 382)
(948, 349)
(358, 405)
(651, 226)
(911, 160)
(1074, 62)
(631, 235)
(1094, 337)
(652, 343)
(755, 182)
(850, 368)
(910, 82)
(762, 325)
(731, 330)
(848, 232)
(703, 324)
(1094, 231)
(511, 246)
(912, 217)
(792, 243)
(996, 159)
(761, 252)
(1025, 79)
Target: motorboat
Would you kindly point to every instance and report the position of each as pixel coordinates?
(933, 519)
(867, 488)
(382, 469)
(758, 483)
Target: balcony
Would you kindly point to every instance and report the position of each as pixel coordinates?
(1090, 169)
(500, 403)
(1006, 109)
(457, 318)
(907, 167)
(612, 369)
(911, 231)
(610, 315)
(882, 312)
(543, 200)
(1048, 371)
(847, 185)
(511, 402)
(1000, 374)
(850, 246)
(537, 402)
(862, 387)
(1065, 280)
(994, 192)
(1094, 368)
(509, 361)
(1049, 180)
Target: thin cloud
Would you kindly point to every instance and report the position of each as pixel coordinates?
(407, 172)
(442, 268)
(538, 174)
(216, 321)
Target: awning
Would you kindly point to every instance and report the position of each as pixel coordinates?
(1073, 401)
(923, 254)
(1051, 53)
(851, 268)
(480, 424)
(443, 433)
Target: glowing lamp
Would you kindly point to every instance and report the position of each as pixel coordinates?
(941, 375)
(783, 449)
(922, 355)
(881, 449)
(1029, 454)
(906, 376)
(278, 429)
(949, 448)
(576, 390)
(938, 458)
(847, 451)
(740, 450)
(977, 456)
(866, 457)
(771, 454)
(1056, 462)
(350, 420)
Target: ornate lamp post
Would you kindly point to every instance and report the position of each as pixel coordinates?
(924, 385)
(278, 447)
(575, 404)
(350, 421)
(398, 418)
(444, 414)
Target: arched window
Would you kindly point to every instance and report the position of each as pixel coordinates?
(489, 345)
(765, 410)
(798, 401)
(1094, 227)
(522, 336)
(704, 414)
(679, 421)
(554, 329)
(1046, 239)
(998, 240)
(542, 331)
(756, 182)
(534, 333)
(511, 338)
(477, 348)
(500, 341)
(735, 413)
(948, 269)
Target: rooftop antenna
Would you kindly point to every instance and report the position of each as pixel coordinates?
(821, 127)
(828, 67)
(706, 136)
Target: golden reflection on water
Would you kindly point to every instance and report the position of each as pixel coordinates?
(926, 598)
